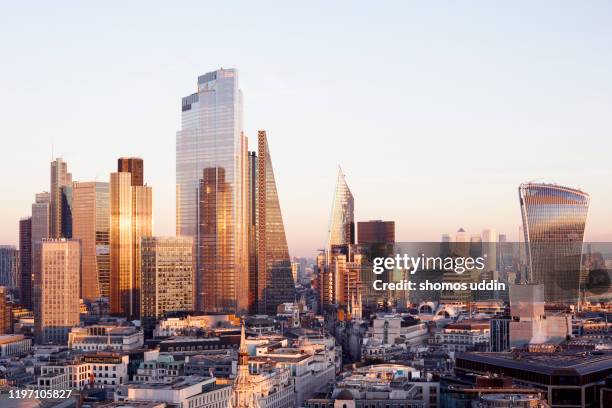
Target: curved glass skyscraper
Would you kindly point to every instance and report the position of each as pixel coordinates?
(342, 222)
(554, 219)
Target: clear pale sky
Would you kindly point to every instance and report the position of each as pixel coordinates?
(436, 111)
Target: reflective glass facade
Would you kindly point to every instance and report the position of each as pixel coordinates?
(90, 215)
(342, 223)
(275, 283)
(131, 213)
(211, 190)
(554, 219)
(59, 198)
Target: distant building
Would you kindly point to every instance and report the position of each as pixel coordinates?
(554, 219)
(100, 370)
(14, 345)
(6, 312)
(342, 222)
(9, 267)
(90, 215)
(376, 232)
(186, 392)
(131, 211)
(25, 262)
(499, 334)
(56, 283)
(60, 200)
(167, 277)
(102, 337)
(463, 335)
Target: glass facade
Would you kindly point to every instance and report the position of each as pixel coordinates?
(25, 260)
(342, 223)
(59, 198)
(554, 219)
(130, 219)
(90, 214)
(275, 283)
(211, 190)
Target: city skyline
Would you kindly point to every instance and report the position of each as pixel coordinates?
(457, 124)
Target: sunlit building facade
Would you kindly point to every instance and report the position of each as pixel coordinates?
(167, 277)
(60, 197)
(342, 222)
(554, 219)
(41, 217)
(56, 281)
(90, 215)
(275, 284)
(131, 214)
(211, 190)
(9, 267)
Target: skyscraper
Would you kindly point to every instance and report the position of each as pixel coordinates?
(134, 166)
(41, 217)
(90, 214)
(167, 277)
(275, 284)
(130, 219)
(6, 312)
(342, 222)
(59, 203)
(554, 219)
(9, 267)
(56, 284)
(25, 261)
(376, 232)
(211, 190)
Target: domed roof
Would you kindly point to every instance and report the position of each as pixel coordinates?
(345, 395)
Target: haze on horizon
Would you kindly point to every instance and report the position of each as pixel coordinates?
(436, 112)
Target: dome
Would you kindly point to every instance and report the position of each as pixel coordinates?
(345, 395)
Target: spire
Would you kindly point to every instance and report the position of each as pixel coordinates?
(243, 347)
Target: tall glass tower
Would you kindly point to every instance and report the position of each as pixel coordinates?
(275, 283)
(342, 222)
(211, 191)
(554, 219)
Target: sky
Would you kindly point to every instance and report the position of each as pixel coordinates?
(436, 111)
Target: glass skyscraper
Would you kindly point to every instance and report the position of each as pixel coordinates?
(275, 283)
(554, 219)
(211, 191)
(342, 222)
(60, 199)
(90, 214)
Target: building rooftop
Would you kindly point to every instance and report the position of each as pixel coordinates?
(570, 362)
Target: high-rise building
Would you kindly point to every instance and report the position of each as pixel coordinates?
(275, 284)
(489, 249)
(554, 219)
(376, 232)
(342, 222)
(59, 202)
(211, 190)
(131, 211)
(167, 277)
(25, 261)
(41, 217)
(9, 267)
(90, 214)
(6, 312)
(134, 166)
(56, 284)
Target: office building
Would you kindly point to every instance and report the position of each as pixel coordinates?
(342, 222)
(554, 218)
(211, 191)
(9, 267)
(275, 284)
(41, 217)
(376, 232)
(6, 312)
(25, 261)
(90, 215)
(167, 278)
(102, 336)
(59, 200)
(131, 215)
(56, 283)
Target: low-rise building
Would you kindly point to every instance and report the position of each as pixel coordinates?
(105, 337)
(14, 345)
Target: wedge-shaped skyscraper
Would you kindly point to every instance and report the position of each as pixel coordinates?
(274, 283)
(554, 218)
